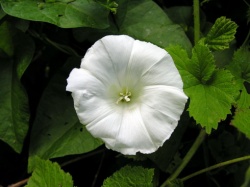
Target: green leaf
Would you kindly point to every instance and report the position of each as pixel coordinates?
(221, 34)
(6, 42)
(211, 91)
(48, 174)
(14, 114)
(130, 177)
(240, 66)
(184, 65)
(210, 104)
(65, 14)
(145, 20)
(203, 63)
(2, 13)
(242, 115)
(56, 130)
(182, 15)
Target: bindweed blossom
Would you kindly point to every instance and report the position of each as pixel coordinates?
(128, 93)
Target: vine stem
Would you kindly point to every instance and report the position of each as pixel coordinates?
(216, 166)
(20, 183)
(200, 138)
(196, 9)
(246, 40)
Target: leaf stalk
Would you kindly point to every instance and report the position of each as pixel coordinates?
(196, 11)
(216, 166)
(200, 138)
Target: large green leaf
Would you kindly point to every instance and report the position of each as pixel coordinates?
(146, 21)
(143, 20)
(14, 114)
(66, 14)
(130, 177)
(211, 91)
(57, 131)
(48, 174)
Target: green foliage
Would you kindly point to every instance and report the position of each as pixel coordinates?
(130, 177)
(14, 59)
(48, 174)
(221, 34)
(56, 130)
(240, 66)
(242, 115)
(65, 14)
(146, 21)
(143, 20)
(207, 86)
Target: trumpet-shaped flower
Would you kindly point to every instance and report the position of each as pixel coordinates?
(128, 93)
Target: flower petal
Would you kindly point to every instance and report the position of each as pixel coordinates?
(161, 110)
(81, 79)
(165, 99)
(107, 59)
(124, 132)
(90, 107)
(154, 64)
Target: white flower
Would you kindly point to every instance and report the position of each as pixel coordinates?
(128, 93)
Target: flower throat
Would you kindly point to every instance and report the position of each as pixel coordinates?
(124, 97)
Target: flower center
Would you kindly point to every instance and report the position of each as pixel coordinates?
(124, 97)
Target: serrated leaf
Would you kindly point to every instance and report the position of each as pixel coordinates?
(242, 115)
(48, 174)
(130, 177)
(240, 66)
(211, 91)
(184, 65)
(65, 14)
(203, 63)
(56, 130)
(221, 34)
(211, 103)
(14, 113)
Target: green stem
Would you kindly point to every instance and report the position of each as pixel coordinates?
(216, 166)
(246, 40)
(196, 8)
(187, 158)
